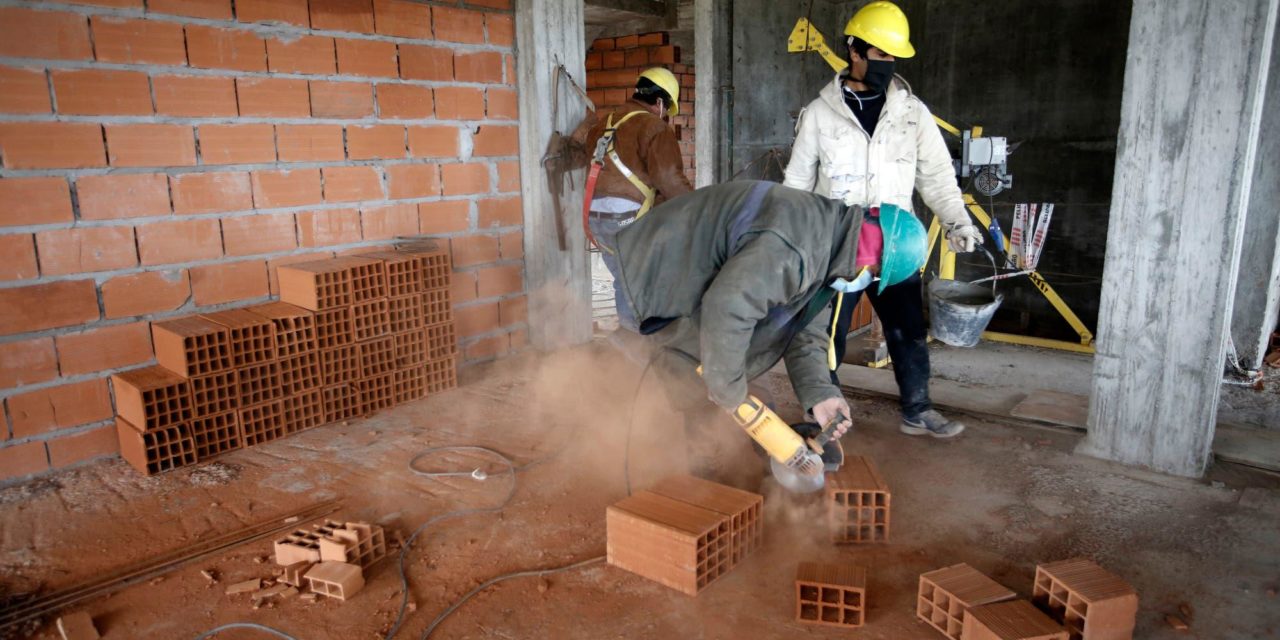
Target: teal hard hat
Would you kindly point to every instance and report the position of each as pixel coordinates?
(906, 245)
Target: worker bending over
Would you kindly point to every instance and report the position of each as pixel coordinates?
(867, 140)
(639, 165)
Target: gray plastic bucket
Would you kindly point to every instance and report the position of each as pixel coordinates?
(960, 311)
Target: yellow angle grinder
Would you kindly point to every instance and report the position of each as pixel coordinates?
(800, 455)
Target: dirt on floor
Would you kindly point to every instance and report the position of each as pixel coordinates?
(1000, 498)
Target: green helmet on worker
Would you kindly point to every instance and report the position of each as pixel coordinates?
(661, 83)
(884, 26)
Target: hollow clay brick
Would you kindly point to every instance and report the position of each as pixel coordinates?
(411, 350)
(370, 543)
(377, 357)
(377, 392)
(216, 434)
(300, 373)
(303, 410)
(442, 375)
(1091, 602)
(260, 383)
(334, 328)
(155, 451)
(337, 580)
(340, 365)
(858, 502)
(743, 509)
(433, 262)
(831, 594)
(368, 281)
(405, 313)
(191, 346)
(215, 393)
(253, 337)
(369, 319)
(293, 573)
(436, 307)
(315, 285)
(342, 402)
(945, 594)
(77, 626)
(410, 384)
(295, 327)
(298, 547)
(152, 397)
(262, 423)
(673, 543)
(402, 273)
(1012, 620)
(442, 341)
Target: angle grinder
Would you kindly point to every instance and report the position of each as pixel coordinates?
(800, 455)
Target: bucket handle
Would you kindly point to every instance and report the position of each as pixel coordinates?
(994, 269)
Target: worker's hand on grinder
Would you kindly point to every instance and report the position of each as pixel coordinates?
(827, 410)
(964, 238)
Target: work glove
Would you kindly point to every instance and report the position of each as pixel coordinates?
(964, 238)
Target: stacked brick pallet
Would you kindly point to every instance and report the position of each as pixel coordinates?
(614, 63)
(685, 532)
(331, 558)
(352, 335)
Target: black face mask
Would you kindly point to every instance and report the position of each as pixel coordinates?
(879, 74)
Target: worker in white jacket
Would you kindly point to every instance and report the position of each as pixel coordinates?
(868, 140)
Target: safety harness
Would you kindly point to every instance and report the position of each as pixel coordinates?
(606, 149)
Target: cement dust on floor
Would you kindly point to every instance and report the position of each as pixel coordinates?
(999, 498)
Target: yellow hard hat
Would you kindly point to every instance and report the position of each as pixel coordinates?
(667, 82)
(884, 26)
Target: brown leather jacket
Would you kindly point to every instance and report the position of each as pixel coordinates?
(646, 145)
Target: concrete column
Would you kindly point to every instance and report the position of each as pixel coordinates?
(1257, 303)
(713, 24)
(548, 33)
(1190, 123)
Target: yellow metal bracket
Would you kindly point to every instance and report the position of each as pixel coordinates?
(804, 37)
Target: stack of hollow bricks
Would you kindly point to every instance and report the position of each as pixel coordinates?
(684, 532)
(337, 346)
(613, 65)
(161, 158)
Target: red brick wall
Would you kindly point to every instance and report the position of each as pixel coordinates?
(614, 63)
(163, 158)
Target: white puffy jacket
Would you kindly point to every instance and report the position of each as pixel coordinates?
(834, 157)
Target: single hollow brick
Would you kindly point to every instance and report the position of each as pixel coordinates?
(410, 384)
(402, 273)
(215, 393)
(1093, 603)
(260, 383)
(152, 398)
(371, 543)
(341, 402)
(433, 261)
(216, 434)
(295, 327)
(945, 594)
(670, 542)
(191, 346)
(437, 307)
(743, 509)
(411, 349)
(303, 411)
(368, 280)
(340, 365)
(1012, 620)
(253, 337)
(298, 547)
(316, 285)
(337, 580)
(441, 341)
(334, 328)
(370, 319)
(338, 547)
(858, 502)
(300, 373)
(442, 375)
(831, 594)
(262, 423)
(405, 313)
(293, 573)
(357, 543)
(377, 392)
(155, 451)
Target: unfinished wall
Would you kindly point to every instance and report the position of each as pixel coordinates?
(1045, 73)
(613, 65)
(162, 159)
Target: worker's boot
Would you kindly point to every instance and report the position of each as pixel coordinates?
(931, 423)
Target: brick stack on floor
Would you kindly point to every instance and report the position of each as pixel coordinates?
(350, 336)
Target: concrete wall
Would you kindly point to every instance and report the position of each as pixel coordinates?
(1046, 73)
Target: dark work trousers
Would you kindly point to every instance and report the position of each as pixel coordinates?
(901, 312)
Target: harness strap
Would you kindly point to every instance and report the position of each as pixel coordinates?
(605, 149)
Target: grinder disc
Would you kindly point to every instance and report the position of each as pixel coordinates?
(796, 482)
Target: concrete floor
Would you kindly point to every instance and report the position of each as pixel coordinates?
(1000, 498)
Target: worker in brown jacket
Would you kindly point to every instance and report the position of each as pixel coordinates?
(637, 158)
